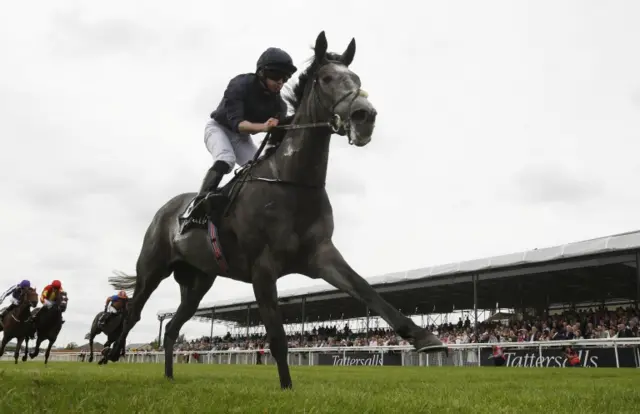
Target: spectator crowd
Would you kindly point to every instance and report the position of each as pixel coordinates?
(582, 324)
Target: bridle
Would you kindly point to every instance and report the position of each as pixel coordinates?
(335, 123)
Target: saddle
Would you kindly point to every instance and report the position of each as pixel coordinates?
(204, 211)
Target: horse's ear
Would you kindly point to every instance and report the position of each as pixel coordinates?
(347, 56)
(321, 46)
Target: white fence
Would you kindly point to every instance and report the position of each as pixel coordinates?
(624, 352)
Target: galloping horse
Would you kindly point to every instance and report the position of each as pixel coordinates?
(48, 324)
(112, 328)
(278, 219)
(17, 324)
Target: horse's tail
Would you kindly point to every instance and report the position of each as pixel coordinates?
(123, 281)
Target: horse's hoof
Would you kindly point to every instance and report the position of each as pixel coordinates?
(91, 359)
(169, 378)
(113, 356)
(24, 358)
(428, 343)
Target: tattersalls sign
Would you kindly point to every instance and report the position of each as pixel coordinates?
(554, 358)
(359, 358)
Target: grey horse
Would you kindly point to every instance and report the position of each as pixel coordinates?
(278, 221)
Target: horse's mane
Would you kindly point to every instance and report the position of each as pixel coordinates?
(293, 95)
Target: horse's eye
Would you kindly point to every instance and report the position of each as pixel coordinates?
(327, 79)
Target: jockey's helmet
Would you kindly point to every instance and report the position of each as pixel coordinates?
(25, 284)
(122, 294)
(56, 284)
(276, 60)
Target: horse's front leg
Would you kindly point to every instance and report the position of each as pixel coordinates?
(48, 351)
(36, 351)
(16, 354)
(26, 349)
(5, 339)
(328, 264)
(264, 288)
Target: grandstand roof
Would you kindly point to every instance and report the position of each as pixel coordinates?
(451, 284)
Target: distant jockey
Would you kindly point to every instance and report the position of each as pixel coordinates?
(14, 293)
(113, 305)
(497, 355)
(49, 295)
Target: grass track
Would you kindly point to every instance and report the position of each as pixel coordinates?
(140, 388)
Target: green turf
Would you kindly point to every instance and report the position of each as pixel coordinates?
(75, 387)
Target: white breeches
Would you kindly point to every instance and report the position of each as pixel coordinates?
(111, 309)
(228, 146)
(14, 301)
(47, 303)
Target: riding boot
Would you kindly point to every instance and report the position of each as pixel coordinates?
(212, 179)
(209, 190)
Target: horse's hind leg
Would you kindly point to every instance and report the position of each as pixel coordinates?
(91, 336)
(150, 272)
(194, 284)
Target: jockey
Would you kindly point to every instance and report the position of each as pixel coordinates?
(111, 300)
(49, 294)
(251, 104)
(14, 293)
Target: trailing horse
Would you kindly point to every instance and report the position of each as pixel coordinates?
(47, 323)
(17, 323)
(112, 328)
(278, 219)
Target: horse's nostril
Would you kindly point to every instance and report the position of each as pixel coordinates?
(359, 116)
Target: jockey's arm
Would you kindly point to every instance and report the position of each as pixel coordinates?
(7, 293)
(45, 294)
(234, 96)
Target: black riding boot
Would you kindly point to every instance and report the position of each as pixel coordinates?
(209, 190)
(212, 179)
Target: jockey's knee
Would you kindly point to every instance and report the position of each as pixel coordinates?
(223, 166)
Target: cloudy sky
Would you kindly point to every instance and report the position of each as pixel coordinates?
(502, 126)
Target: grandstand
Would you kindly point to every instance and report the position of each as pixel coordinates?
(602, 270)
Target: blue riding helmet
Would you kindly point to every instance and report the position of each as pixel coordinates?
(25, 284)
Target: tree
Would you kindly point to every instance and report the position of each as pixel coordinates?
(71, 345)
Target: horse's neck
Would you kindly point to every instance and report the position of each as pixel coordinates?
(303, 156)
(24, 308)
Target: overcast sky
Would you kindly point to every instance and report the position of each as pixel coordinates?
(502, 126)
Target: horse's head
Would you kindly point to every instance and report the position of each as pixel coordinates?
(338, 91)
(30, 295)
(61, 301)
